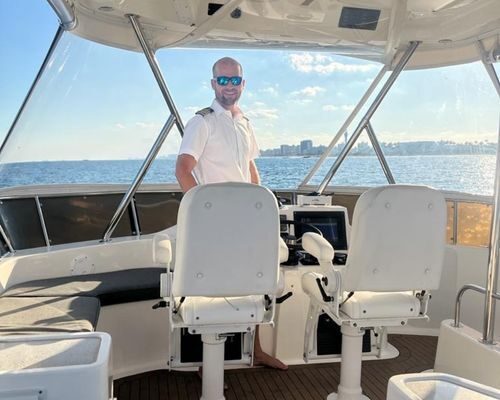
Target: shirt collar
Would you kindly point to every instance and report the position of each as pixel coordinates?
(218, 109)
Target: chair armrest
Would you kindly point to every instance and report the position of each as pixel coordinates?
(162, 250)
(318, 246)
(283, 251)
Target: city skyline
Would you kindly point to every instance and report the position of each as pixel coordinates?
(306, 148)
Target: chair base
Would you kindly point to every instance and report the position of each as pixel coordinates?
(350, 369)
(212, 385)
(337, 396)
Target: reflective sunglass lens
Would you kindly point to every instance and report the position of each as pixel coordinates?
(236, 80)
(224, 80)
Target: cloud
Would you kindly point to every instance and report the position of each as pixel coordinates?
(263, 113)
(272, 91)
(441, 110)
(192, 109)
(309, 91)
(343, 107)
(120, 126)
(302, 101)
(322, 64)
(330, 107)
(347, 107)
(147, 125)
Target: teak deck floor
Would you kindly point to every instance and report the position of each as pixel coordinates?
(308, 382)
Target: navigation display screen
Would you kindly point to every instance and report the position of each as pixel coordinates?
(331, 224)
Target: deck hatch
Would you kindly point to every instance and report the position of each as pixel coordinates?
(213, 7)
(359, 18)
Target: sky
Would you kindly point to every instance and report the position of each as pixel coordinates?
(96, 102)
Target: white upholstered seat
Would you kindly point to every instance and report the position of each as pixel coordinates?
(395, 258)
(227, 261)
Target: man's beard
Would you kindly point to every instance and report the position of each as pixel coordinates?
(228, 101)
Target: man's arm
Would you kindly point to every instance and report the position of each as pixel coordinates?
(254, 173)
(184, 171)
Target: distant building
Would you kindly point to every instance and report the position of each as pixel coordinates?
(306, 147)
(287, 150)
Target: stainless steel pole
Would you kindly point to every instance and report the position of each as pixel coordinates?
(173, 119)
(65, 13)
(42, 221)
(491, 277)
(364, 121)
(458, 300)
(380, 154)
(138, 179)
(6, 240)
(45, 62)
(492, 274)
(489, 67)
(153, 63)
(344, 126)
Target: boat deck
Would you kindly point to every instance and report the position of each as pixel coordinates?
(308, 382)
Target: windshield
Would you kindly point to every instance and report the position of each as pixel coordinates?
(97, 110)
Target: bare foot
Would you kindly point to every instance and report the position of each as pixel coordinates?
(266, 360)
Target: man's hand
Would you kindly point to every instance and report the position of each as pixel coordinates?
(184, 171)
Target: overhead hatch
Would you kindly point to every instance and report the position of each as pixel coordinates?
(359, 18)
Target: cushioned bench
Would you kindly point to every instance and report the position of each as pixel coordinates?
(110, 287)
(72, 303)
(31, 315)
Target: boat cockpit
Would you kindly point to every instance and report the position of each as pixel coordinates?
(103, 282)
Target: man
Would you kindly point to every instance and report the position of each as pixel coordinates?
(219, 146)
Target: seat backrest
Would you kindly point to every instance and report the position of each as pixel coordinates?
(227, 241)
(397, 240)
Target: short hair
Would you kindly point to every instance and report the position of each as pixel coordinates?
(226, 60)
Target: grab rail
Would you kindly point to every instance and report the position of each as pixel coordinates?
(461, 292)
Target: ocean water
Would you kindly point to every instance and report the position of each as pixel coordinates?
(465, 173)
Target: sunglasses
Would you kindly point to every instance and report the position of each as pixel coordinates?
(224, 80)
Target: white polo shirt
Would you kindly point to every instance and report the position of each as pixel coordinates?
(223, 146)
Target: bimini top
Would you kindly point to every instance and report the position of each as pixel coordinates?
(449, 30)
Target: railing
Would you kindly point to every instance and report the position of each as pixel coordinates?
(458, 300)
(29, 222)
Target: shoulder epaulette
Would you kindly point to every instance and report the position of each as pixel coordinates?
(248, 119)
(205, 111)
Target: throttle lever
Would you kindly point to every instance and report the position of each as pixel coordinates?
(281, 299)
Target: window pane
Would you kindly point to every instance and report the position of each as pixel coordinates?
(474, 221)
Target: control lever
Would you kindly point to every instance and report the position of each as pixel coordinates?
(326, 298)
(164, 304)
(160, 304)
(347, 298)
(286, 296)
(279, 300)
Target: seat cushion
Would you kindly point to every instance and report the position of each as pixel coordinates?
(222, 310)
(364, 305)
(31, 315)
(110, 287)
